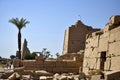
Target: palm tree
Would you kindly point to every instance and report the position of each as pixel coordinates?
(19, 23)
(57, 54)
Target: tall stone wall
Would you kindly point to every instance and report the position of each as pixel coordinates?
(75, 37)
(103, 48)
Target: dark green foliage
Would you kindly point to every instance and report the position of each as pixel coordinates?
(57, 54)
(45, 53)
(29, 56)
(33, 55)
(12, 56)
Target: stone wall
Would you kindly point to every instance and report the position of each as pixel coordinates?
(70, 65)
(75, 37)
(53, 66)
(103, 48)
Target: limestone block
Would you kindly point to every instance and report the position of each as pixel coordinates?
(114, 48)
(78, 64)
(88, 42)
(85, 62)
(107, 64)
(71, 64)
(49, 64)
(16, 62)
(40, 66)
(85, 70)
(39, 62)
(95, 77)
(115, 35)
(92, 52)
(115, 19)
(115, 63)
(61, 64)
(29, 63)
(88, 52)
(98, 64)
(92, 42)
(103, 44)
(92, 63)
(106, 34)
(96, 52)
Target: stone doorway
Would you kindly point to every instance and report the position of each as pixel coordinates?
(102, 60)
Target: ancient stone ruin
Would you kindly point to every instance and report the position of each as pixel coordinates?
(102, 51)
(25, 49)
(95, 52)
(75, 37)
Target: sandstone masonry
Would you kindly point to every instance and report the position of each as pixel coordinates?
(102, 49)
(75, 37)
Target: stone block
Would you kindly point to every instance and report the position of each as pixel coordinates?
(78, 64)
(49, 63)
(114, 48)
(39, 62)
(115, 35)
(107, 64)
(115, 19)
(92, 42)
(88, 43)
(103, 44)
(29, 62)
(61, 64)
(70, 64)
(105, 35)
(96, 77)
(96, 52)
(115, 63)
(88, 52)
(92, 63)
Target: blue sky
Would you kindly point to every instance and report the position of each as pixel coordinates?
(48, 21)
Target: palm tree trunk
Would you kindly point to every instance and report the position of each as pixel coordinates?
(19, 44)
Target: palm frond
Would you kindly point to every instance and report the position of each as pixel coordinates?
(19, 23)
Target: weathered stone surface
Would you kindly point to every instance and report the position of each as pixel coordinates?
(115, 35)
(101, 50)
(96, 77)
(68, 63)
(115, 63)
(25, 49)
(114, 49)
(105, 54)
(75, 37)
